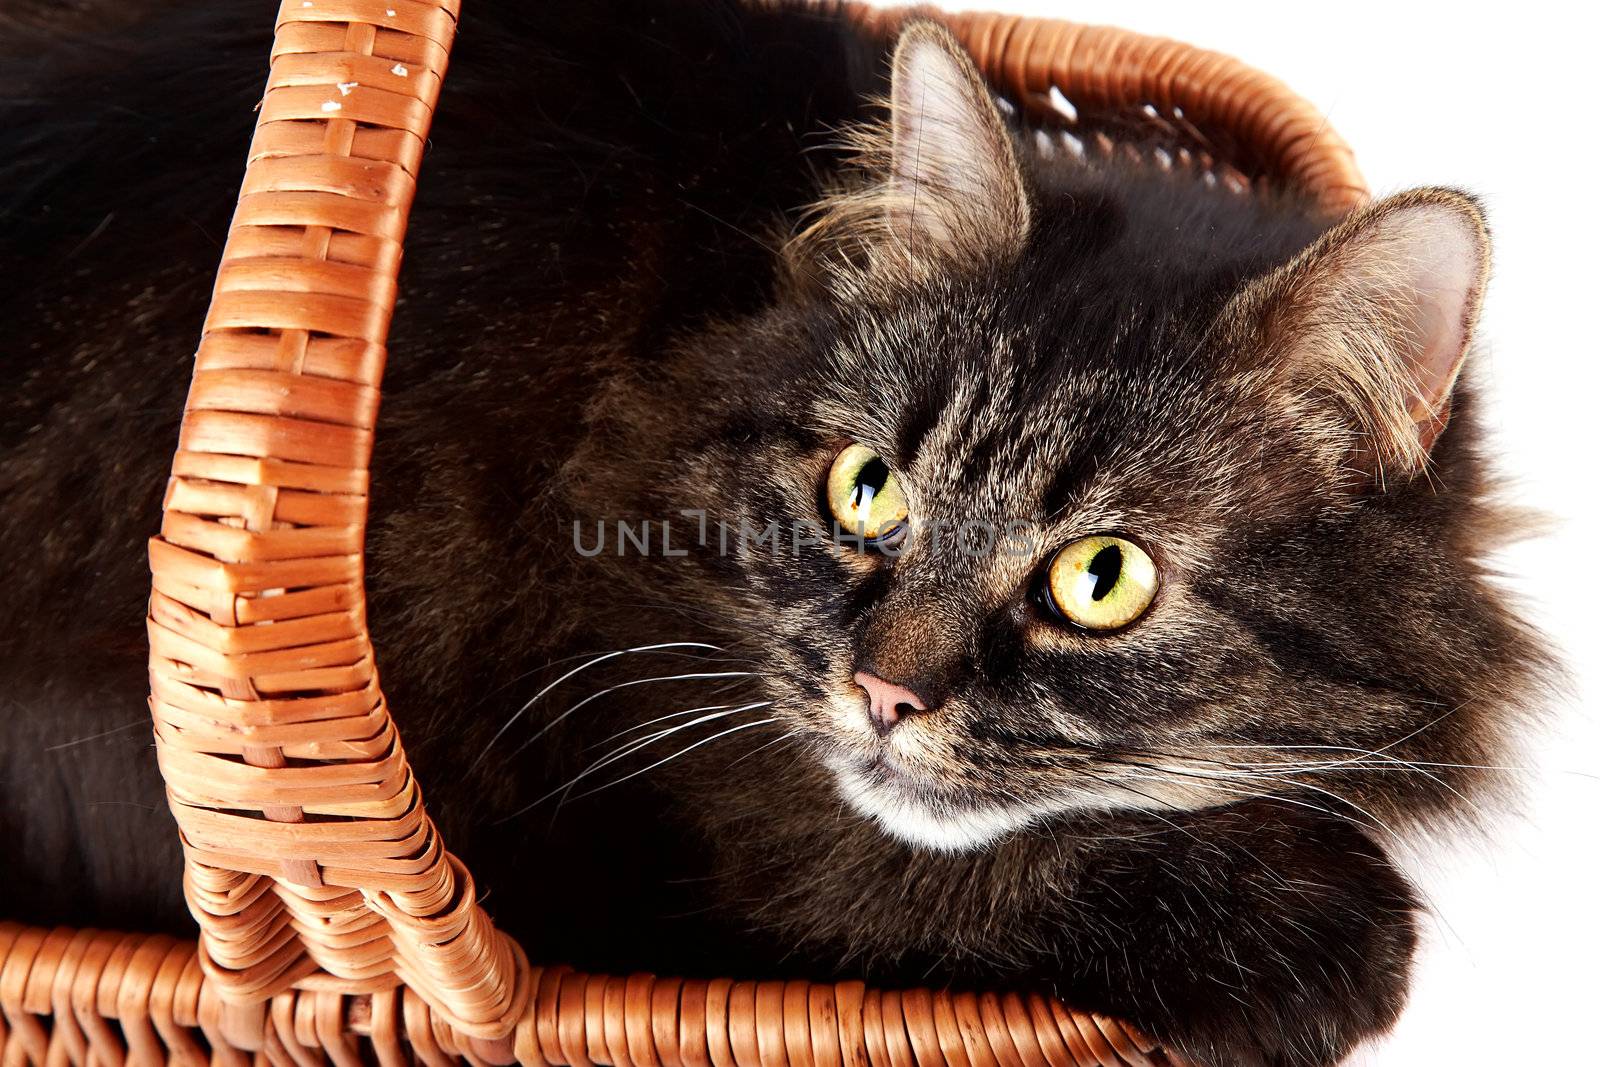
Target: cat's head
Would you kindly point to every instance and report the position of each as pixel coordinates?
(1156, 508)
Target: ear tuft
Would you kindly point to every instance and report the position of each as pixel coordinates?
(937, 183)
(1379, 313)
(955, 183)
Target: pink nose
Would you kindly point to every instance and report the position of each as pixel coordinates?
(888, 703)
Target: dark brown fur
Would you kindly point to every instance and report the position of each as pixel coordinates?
(598, 325)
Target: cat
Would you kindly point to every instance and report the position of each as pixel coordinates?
(927, 554)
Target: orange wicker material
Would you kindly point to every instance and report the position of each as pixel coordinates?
(1201, 104)
(331, 916)
(309, 854)
(82, 996)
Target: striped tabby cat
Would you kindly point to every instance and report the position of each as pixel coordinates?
(946, 555)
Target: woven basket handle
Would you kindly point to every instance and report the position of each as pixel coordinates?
(310, 858)
(310, 862)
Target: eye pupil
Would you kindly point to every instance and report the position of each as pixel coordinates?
(1105, 568)
(870, 481)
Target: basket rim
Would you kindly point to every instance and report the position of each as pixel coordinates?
(1026, 57)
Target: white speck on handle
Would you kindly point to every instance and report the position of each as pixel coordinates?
(307, 3)
(1066, 108)
(400, 69)
(389, 11)
(332, 105)
(345, 87)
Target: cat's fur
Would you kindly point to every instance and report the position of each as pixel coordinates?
(1184, 823)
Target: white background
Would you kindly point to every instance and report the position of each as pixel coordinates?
(1496, 102)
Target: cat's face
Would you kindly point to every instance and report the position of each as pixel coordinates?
(1028, 395)
(1012, 443)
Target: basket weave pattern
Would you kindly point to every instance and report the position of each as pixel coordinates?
(308, 850)
(81, 997)
(331, 916)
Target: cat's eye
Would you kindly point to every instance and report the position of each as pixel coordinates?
(864, 495)
(1101, 582)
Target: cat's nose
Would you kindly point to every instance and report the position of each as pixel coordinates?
(888, 703)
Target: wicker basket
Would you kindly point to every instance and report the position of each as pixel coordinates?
(334, 925)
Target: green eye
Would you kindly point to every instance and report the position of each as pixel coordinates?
(864, 495)
(1101, 583)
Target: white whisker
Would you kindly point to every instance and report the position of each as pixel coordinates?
(1362, 753)
(628, 748)
(581, 667)
(676, 755)
(658, 719)
(1372, 819)
(547, 727)
(623, 751)
(787, 735)
(1247, 794)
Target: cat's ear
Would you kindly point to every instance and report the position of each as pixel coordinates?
(955, 187)
(1378, 315)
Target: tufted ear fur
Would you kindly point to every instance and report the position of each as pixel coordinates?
(938, 182)
(1379, 315)
(954, 181)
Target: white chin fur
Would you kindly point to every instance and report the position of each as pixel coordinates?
(920, 823)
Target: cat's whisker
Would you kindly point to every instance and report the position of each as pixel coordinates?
(1342, 799)
(1394, 759)
(788, 735)
(497, 690)
(1358, 751)
(1390, 764)
(1374, 821)
(658, 719)
(698, 675)
(1215, 781)
(1271, 871)
(1166, 778)
(1416, 767)
(676, 755)
(1370, 762)
(1245, 794)
(1288, 768)
(143, 720)
(603, 657)
(628, 748)
(1378, 824)
(1362, 761)
(1285, 768)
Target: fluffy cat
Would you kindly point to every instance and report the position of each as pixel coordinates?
(1020, 569)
